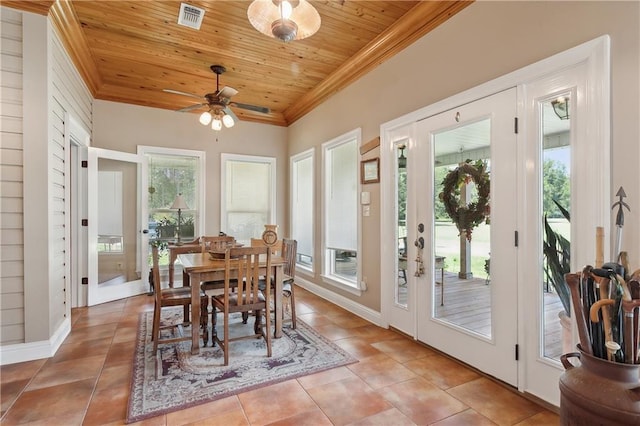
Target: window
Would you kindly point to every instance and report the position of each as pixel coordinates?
(302, 196)
(341, 168)
(172, 172)
(248, 195)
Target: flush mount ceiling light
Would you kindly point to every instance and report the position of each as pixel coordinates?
(284, 19)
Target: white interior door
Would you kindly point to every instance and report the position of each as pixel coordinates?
(117, 234)
(468, 294)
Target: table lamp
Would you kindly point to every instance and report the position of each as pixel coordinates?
(179, 204)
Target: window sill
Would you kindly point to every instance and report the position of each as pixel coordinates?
(304, 269)
(342, 285)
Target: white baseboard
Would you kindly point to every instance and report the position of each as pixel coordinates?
(362, 311)
(21, 352)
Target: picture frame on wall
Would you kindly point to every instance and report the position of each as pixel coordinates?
(370, 171)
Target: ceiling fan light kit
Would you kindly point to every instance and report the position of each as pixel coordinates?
(205, 118)
(286, 20)
(218, 103)
(228, 121)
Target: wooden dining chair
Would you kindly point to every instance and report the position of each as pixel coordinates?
(214, 243)
(176, 296)
(287, 249)
(276, 248)
(290, 254)
(242, 264)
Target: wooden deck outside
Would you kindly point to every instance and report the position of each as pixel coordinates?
(467, 303)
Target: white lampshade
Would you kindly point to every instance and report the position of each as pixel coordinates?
(228, 120)
(179, 203)
(216, 124)
(205, 118)
(284, 20)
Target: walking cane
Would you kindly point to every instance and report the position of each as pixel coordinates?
(573, 281)
(594, 314)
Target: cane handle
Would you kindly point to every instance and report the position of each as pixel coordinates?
(593, 312)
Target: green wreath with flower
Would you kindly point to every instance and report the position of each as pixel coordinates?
(467, 217)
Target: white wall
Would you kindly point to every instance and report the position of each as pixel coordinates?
(484, 41)
(123, 127)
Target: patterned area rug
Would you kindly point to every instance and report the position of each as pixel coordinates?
(173, 379)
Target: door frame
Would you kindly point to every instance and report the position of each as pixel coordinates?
(596, 124)
(79, 142)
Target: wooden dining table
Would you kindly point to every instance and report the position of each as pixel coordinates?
(201, 267)
(175, 249)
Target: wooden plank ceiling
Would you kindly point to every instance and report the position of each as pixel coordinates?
(129, 51)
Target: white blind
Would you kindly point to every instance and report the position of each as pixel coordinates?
(248, 186)
(342, 196)
(302, 205)
(248, 197)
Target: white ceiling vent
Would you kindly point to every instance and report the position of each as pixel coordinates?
(190, 16)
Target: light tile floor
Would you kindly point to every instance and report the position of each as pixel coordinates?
(396, 381)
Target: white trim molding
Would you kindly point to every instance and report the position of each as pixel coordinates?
(21, 352)
(362, 311)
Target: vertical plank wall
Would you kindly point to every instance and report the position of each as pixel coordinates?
(70, 97)
(67, 96)
(11, 188)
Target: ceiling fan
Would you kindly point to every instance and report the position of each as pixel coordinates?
(218, 103)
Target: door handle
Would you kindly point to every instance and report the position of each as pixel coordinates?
(419, 264)
(145, 231)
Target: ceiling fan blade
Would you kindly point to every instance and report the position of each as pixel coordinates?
(255, 108)
(177, 92)
(227, 92)
(192, 107)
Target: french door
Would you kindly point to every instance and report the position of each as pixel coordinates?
(469, 289)
(562, 154)
(117, 235)
(454, 291)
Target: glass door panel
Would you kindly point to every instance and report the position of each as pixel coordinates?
(116, 240)
(461, 260)
(556, 204)
(402, 283)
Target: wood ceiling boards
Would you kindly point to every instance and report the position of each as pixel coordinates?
(129, 51)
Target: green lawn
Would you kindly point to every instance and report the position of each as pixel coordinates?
(447, 243)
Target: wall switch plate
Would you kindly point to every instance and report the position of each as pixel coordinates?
(365, 198)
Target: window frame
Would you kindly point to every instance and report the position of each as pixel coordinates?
(327, 255)
(294, 159)
(199, 209)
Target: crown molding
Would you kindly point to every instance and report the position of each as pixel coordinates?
(417, 22)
